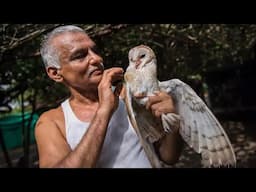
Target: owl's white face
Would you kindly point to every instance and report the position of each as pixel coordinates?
(140, 56)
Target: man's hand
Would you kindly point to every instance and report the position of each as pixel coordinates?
(161, 103)
(107, 98)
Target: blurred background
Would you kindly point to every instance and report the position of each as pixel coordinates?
(216, 60)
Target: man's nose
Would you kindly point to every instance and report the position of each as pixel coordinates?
(95, 58)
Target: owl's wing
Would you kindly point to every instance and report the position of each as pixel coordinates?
(199, 127)
(140, 122)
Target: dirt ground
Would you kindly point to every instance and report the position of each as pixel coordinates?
(242, 135)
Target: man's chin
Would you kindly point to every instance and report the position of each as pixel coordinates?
(96, 78)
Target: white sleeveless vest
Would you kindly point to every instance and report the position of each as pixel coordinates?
(121, 148)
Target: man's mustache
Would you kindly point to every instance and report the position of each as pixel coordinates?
(95, 68)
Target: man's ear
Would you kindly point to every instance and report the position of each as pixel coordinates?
(54, 74)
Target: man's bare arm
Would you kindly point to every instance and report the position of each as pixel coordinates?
(170, 146)
(52, 146)
(54, 150)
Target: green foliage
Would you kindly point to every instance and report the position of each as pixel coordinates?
(182, 50)
(185, 49)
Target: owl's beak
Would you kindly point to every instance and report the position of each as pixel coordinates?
(137, 63)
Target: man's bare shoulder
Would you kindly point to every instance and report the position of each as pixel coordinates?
(52, 114)
(53, 118)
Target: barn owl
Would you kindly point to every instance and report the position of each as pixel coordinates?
(195, 122)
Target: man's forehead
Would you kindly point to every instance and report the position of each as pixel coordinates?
(70, 39)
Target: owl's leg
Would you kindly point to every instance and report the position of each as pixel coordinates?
(141, 97)
(171, 122)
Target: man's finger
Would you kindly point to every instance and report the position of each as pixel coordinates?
(152, 100)
(118, 89)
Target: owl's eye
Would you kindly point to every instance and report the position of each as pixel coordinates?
(142, 56)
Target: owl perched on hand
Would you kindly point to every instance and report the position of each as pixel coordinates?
(196, 123)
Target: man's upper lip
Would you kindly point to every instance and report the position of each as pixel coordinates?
(96, 69)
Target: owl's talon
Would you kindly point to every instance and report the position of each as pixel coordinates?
(139, 95)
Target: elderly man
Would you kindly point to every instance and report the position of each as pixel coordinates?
(91, 128)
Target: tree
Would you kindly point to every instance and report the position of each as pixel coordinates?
(183, 50)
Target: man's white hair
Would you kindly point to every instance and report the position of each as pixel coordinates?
(48, 52)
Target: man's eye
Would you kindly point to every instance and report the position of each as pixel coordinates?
(79, 56)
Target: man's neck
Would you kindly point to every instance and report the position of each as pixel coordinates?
(89, 97)
(84, 105)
